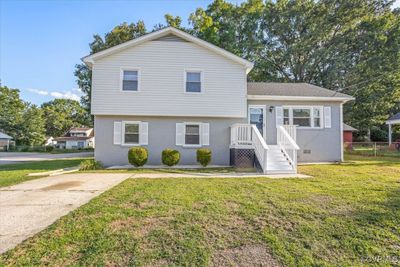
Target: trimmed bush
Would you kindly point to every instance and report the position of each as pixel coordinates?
(90, 164)
(138, 156)
(170, 157)
(203, 156)
(49, 148)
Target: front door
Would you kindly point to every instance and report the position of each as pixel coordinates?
(257, 117)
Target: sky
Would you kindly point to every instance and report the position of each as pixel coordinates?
(42, 41)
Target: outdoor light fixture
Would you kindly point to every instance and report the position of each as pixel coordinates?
(271, 108)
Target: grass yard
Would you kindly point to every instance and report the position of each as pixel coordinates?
(348, 214)
(17, 173)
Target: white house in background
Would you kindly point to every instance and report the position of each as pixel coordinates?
(75, 138)
(5, 141)
(169, 89)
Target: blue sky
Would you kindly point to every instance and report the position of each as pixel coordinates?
(41, 41)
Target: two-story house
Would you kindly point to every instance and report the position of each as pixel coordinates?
(75, 138)
(169, 89)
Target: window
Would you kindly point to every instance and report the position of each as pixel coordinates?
(193, 81)
(192, 134)
(317, 117)
(286, 118)
(306, 117)
(302, 117)
(130, 81)
(131, 133)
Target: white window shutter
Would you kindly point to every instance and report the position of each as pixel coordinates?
(117, 132)
(327, 117)
(144, 133)
(205, 134)
(180, 134)
(279, 116)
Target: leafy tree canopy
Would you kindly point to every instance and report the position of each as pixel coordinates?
(62, 114)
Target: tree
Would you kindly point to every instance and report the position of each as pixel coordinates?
(349, 46)
(62, 114)
(32, 126)
(119, 34)
(11, 109)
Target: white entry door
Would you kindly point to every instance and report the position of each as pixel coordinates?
(257, 116)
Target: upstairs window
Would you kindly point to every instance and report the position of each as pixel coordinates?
(193, 81)
(130, 81)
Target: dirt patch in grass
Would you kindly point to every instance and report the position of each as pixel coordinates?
(247, 255)
(61, 186)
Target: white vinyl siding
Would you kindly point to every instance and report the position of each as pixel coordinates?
(162, 80)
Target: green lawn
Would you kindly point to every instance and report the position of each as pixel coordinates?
(346, 213)
(17, 173)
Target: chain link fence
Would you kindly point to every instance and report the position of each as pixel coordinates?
(372, 148)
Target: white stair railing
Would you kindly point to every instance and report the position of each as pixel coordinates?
(248, 136)
(286, 136)
(241, 135)
(260, 147)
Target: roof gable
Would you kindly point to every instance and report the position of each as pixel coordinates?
(168, 34)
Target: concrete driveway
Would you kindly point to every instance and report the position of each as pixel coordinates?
(16, 157)
(29, 207)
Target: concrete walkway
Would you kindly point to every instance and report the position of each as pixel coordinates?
(17, 157)
(29, 207)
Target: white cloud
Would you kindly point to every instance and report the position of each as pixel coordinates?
(66, 94)
(39, 92)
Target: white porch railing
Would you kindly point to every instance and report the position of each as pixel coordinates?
(248, 136)
(286, 139)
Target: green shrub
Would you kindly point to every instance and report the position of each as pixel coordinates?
(90, 164)
(170, 157)
(204, 156)
(49, 148)
(137, 156)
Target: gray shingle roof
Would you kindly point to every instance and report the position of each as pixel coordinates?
(291, 89)
(395, 117)
(4, 136)
(347, 127)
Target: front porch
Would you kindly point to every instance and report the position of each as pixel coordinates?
(249, 146)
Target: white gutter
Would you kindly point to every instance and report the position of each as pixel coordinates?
(299, 98)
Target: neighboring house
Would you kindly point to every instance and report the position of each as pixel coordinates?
(5, 141)
(168, 89)
(76, 138)
(348, 135)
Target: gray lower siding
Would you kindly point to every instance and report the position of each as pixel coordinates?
(161, 135)
(323, 144)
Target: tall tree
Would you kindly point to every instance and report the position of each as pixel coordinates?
(332, 43)
(32, 126)
(119, 34)
(62, 114)
(11, 110)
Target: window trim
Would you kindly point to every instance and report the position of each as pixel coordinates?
(201, 81)
(123, 133)
(311, 108)
(121, 79)
(184, 134)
